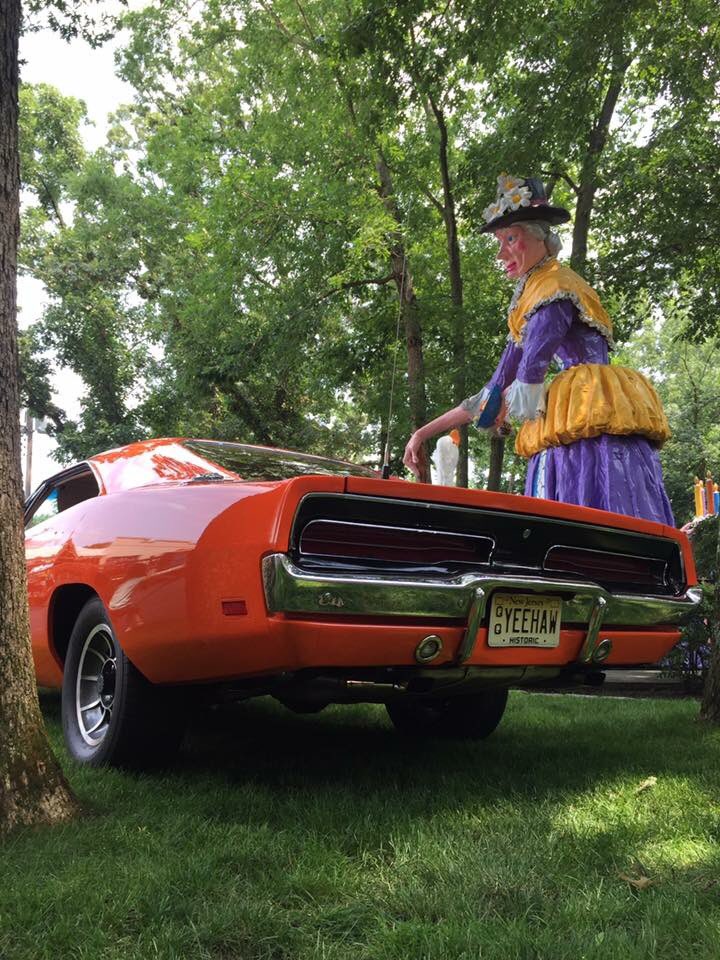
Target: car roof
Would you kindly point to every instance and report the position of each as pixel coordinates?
(178, 459)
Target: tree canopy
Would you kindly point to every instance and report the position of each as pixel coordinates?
(294, 178)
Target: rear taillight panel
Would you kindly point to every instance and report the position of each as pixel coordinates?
(404, 545)
(356, 532)
(620, 570)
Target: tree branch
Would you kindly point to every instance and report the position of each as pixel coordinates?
(596, 144)
(353, 284)
(266, 283)
(433, 200)
(307, 23)
(439, 16)
(51, 198)
(559, 175)
(287, 33)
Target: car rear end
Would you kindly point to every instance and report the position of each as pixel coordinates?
(389, 587)
(217, 570)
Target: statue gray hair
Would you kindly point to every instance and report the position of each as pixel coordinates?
(543, 231)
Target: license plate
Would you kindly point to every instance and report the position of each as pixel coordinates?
(524, 620)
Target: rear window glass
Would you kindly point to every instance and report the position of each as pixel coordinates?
(47, 509)
(59, 494)
(266, 463)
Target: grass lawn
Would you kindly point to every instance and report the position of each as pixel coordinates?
(285, 837)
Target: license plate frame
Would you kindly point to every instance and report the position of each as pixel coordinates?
(524, 620)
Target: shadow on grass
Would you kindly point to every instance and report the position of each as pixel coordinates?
(545, 746)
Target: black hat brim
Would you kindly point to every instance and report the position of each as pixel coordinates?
(552, 215)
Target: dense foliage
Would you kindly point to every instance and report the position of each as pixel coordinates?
(687, 376)
(690, 659)
(296, 182)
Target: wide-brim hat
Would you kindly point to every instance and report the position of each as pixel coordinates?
(521, 199)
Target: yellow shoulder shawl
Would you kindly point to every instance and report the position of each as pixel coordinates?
(554, 281)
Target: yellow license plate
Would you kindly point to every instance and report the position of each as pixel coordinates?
(524, 620)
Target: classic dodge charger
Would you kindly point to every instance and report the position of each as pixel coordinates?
(176, 568)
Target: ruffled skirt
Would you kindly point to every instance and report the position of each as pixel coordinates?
(617, 473)
(593, 399)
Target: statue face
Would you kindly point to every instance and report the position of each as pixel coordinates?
(519, 250)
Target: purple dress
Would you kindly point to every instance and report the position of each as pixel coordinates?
(617, 473)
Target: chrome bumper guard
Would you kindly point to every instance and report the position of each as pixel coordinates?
(289, 589)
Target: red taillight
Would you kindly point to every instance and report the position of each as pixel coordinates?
(612, 567)
(361, 541)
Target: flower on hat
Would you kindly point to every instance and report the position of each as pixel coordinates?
(519, 197)
(496, 209)
(512, 193)
(506, 183)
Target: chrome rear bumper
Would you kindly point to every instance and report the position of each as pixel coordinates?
(289, 589)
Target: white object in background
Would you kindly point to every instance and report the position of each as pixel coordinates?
(445, 460)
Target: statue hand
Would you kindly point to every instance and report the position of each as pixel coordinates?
(414, 455)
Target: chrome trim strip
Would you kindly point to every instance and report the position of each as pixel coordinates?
(290, 589)
(591, 637)
(475, 617)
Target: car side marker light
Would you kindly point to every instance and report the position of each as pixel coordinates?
(234, 608)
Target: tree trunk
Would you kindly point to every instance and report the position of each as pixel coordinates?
(497, 452)
(710, 708)
(406, 296)
(588, 185)
(410, 315)
(32, 787)
(456, 288)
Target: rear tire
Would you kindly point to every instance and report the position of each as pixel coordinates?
(464, 717)
(112, 715)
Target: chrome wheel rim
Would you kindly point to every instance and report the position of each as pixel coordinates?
(95, 686)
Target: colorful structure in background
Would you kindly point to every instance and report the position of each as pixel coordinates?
(445, 458)
(707, 497)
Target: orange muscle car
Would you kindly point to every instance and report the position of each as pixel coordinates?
(175, 567)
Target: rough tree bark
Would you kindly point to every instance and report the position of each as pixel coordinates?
(32, 787)
(410, 315)
(447, 211)
(710, 708)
